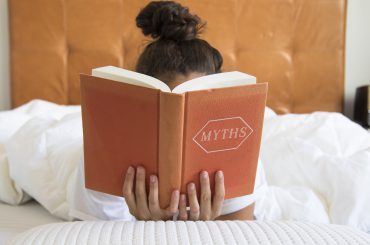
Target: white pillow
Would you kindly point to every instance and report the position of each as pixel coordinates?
(200, 232)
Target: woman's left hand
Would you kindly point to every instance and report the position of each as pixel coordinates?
(209, 208)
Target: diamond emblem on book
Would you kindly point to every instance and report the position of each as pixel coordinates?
(223, 134)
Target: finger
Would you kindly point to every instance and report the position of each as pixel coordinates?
(218, 197)
(127, 190)
(174, 204)
(142, 210)
(205, 197)
(183, 214)
(154, 208)
(193, 202)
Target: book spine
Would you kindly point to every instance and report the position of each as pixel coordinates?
(171, 125)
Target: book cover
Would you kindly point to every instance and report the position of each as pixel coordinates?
(175, 136)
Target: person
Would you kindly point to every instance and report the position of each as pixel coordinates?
(176, 55)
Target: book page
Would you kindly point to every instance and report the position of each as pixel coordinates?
(219, 80)
(129, 77)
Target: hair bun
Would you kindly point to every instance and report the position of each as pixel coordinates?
(168, 20)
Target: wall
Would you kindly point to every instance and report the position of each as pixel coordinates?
(4, 57)
(357, 52)
(357, 71)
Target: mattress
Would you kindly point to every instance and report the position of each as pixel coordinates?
(16, 219)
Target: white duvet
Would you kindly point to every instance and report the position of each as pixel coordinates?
(317, 165)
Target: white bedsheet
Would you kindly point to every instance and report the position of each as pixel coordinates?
(17, 219)
(317, 165)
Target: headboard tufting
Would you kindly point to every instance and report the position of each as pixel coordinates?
(295, 45)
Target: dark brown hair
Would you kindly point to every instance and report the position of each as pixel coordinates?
(176, 48)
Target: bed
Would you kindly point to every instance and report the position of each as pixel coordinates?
(317, 162)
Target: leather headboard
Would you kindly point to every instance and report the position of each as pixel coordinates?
(296, 46)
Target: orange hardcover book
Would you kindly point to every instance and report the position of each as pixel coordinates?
(209, 123)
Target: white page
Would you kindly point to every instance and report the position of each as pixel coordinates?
(129, 77)
(219, 80)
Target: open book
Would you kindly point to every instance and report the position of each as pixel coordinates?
(208, 123)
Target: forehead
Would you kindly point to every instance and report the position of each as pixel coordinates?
(180, 78)
(189, 76)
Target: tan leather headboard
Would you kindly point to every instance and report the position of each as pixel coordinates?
(296, 46)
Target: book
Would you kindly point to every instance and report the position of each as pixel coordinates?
(208, 123)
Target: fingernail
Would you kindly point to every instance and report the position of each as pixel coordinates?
(183, 197)
(192, 186)
(176, 193)
(152, 178)
(130, 170)
(220, 174)
(204, 174)
(140, 169)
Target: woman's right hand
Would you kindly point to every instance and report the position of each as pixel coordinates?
(146, 206)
